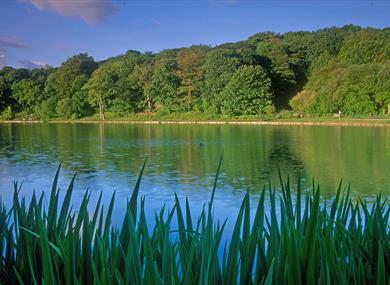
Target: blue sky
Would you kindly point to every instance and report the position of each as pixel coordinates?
(36, 32)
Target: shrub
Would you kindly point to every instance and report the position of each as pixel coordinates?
(7, 114)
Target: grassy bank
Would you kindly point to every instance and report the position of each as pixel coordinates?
(309, 241)
(202, 118)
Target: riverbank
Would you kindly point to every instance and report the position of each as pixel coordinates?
(318, 121)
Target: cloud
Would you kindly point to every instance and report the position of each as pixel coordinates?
(2, 60)
(91, 11)
(11, 42)
(7, 43)
(31, 64)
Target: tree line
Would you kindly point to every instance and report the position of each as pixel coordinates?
(334, 69)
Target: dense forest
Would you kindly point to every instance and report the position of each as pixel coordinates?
(343, 69)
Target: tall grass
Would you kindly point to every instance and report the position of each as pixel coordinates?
(306, 241)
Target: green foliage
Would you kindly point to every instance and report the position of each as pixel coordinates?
(190, 72)
(65, 108)
(27, 93)
(286, 64)
(142, 76)
(366, 46)
(12, 75)
(329, 63)
(164, 85)
(219, 67)
(302, 101)
(351, 89)
(101, 87)
(7, 114)
(64, 82)
(9, 76)
(248, 92)
(326, 43)
(4, 93)
(47, 109)
(276, 57)
(288, 239)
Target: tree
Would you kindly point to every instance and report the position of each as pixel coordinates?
(4, 93)
(248, 92)
(329, 70)
(219, 67)
(100, 88)
(189, 70)
(351, 89)
(8, 76)
(69, 78)
(12, 75)
(164, 85)
(27, 93)
(142, 76)
(277, 54)
(127, 87)
(302, 101)
(327, 41)
(366, 46)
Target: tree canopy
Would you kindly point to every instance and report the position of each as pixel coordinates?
(248, 92)
(334, 69)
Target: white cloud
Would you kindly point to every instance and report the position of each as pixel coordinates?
(2, 60)
(9, 43)
(31, 64)
(91, 11)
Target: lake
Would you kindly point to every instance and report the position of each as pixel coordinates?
(183, 159)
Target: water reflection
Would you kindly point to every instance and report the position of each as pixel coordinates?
(108, 157)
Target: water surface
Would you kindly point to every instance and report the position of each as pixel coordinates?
(183, 159)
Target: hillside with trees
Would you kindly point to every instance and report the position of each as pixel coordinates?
(343, 69)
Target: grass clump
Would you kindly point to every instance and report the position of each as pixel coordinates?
(309, 241)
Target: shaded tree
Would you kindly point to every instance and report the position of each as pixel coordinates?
(100, 88)
(27, 93)
(248, 92)
(189, 70)
(365, 46)
(68, 79)
(219, 67)
(164, 85)
(142, 75)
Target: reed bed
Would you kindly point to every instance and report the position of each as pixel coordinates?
(298, 239)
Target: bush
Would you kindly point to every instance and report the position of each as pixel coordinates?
(121, 107)
(7, 114)
(65, 108)
(269, 110)
(302, 101)
(47, 109)
(284, 114)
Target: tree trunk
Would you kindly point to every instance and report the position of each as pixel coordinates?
(149, 102)
(189, 97)
(101, 108)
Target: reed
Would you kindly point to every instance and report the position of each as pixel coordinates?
(299, 239)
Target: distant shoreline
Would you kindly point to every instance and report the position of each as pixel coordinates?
(296, 122)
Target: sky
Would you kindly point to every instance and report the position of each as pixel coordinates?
(34, 33)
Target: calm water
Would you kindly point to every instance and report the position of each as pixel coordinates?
(108, 158)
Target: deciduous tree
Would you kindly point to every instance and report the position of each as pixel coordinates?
(248, 92)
